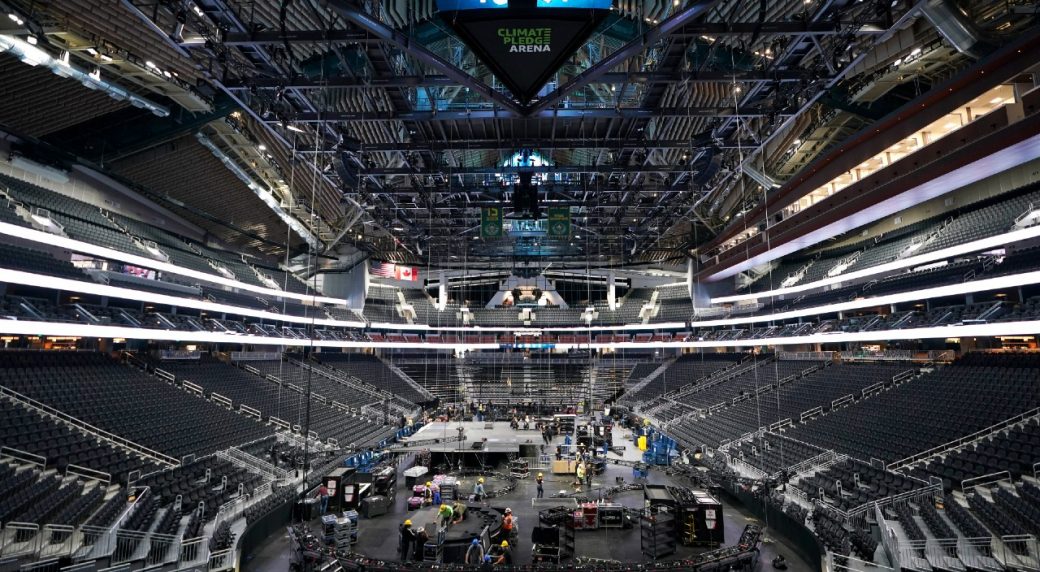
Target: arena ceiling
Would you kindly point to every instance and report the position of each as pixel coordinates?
(376, 127)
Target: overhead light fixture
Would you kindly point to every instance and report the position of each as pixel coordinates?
(265, 195)
(34, 56)
(915, 51)
(262, 147)
(31, 39)
(292, 127)
(150, 64)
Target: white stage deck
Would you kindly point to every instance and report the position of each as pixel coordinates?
(500, 438)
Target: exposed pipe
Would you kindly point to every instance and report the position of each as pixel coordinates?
(955, 27)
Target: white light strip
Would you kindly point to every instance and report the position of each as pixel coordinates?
(987, 166)
(31, 328)
(49, 239)
(996, 283)
(1000, 282)
(999, 241)
(79, 286)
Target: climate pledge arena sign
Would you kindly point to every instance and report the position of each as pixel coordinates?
(524, 42)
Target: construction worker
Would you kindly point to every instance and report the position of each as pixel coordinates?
(475, 553)
(540, 479)
(407, 540)
(436, 493)
(428, 493)
(478, 490)
(505, 558)
(507, 525)
(579, 473)
(588, 475)
(446, 513)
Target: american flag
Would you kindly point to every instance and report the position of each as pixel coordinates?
(382, 269)
(390, 270)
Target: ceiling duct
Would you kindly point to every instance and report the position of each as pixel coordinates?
(955, 27)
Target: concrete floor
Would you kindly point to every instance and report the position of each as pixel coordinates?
(378, 537)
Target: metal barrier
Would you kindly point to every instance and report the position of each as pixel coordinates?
(48, 565)
(162, 549)
(93, 542)
(222, 560)
(19, 539)
(193, 552)
(849, 564)
(56, 540)
(130, 545)
(1019, 552)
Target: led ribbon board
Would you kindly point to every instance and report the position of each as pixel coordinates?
(524, 42)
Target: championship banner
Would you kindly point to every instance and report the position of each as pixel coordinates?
(491, 222)
(559, 222)
(524, 42)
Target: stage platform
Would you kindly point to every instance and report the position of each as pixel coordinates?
(492, 437)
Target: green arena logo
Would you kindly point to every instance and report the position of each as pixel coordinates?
(526, 40)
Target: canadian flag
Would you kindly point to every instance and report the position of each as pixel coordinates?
(407, 273)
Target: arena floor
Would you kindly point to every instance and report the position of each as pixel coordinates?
(378, 537)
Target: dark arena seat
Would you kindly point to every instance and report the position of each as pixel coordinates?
(123, 400)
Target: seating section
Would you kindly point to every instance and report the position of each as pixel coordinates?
(773, 452)
(860, 483)
(194, 486)
(759, 402)
(371, 370)
(28, 430)
(687, 369)
(28, 260)
(1014, 451)
(125, 401)
(933, 409)
(981, 223)
(273, 400)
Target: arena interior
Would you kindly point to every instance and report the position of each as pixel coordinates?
(460, 285)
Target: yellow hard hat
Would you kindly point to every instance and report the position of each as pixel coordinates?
(429, 484)
(539, 474)
(444, 506)
(505, 544)
(480, 480)
(407, 522)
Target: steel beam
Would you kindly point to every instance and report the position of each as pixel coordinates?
(791, 27)
(598, 113)
(510, 144)
(494, 170)
(354, 14)
(277, 37)
(346, 82)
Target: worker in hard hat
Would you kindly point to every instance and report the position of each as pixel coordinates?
(475, 553)
(446, 513)
(407, 540)
(428, 493)
(540, 479)
(478, 490)
(505, 556)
